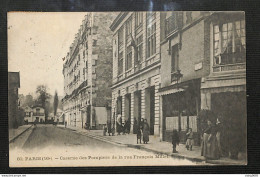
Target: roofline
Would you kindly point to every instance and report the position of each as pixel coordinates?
(117, 20)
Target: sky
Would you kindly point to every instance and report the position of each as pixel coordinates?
(37, 42)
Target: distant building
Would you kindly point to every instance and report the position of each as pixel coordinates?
(13, 86)
(38, 114)
(59, 116)
(87, 72)
(28, 114)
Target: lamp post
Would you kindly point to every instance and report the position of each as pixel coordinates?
(178, 75)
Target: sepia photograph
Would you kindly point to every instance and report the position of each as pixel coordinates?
(130, 88)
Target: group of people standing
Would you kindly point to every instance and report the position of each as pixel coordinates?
(210, 144)
(142, 130)
(122, 127)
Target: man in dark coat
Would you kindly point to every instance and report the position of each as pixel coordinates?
(175, 140)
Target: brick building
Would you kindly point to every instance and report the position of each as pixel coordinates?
(136, 68)
(88, 71)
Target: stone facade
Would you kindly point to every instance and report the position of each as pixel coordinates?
(136, 68)
(88, 71)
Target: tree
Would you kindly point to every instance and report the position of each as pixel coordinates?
(28, 101)
(43, 97)
(55, 103)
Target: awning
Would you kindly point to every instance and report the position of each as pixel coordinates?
(180, 87)
(170, 91)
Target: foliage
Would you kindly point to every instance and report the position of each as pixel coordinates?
(43, 97)
(28, 101)
(55, 103)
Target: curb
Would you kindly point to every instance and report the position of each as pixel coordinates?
(15, 137)
(193, 159)
(97, 137)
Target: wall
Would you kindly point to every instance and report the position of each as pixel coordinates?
(103, 69)
(194, 50)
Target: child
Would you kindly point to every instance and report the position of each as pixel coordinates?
(139, 135)
(189, 141)
(104, 130)
(175, 140)
(113, 130)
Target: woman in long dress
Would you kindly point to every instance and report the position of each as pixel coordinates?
(146, 131)
(209, 143)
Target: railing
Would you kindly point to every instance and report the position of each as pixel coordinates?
(229, 67)
(170, 25)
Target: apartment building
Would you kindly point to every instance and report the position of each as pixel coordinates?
(87, 73)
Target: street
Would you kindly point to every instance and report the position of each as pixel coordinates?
(66, 145)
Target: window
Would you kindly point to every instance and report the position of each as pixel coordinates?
(175, 58)
(120, 63)
(120, 36)
(37, 111)
(129, 26)
(151, 40)
(129, 58)
(170, 23)
(138, 19)
(140, 48)
(229, 43)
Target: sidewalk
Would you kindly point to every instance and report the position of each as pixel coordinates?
(156, 146)
(14, 133)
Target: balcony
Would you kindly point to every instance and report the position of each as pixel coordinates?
(229, 67)
(230, 62)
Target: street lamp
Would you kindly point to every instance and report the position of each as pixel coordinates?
(178, 75)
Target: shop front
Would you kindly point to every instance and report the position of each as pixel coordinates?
(228, 104)
(180, 107)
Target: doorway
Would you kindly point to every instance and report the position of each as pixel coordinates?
(149, 107)
(128, 107)
(137, 106)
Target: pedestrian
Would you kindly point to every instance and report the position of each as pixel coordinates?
(135, 127)
(175, 140)
(104, 130)
(189, 141)
(209, 143)
(109, 128)
(119, 124)
(139, 135)
(123, 128)
(65, 124)
(113, 130)
(146, 131)
(218, 135)
(142, 123)
(127, 126)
